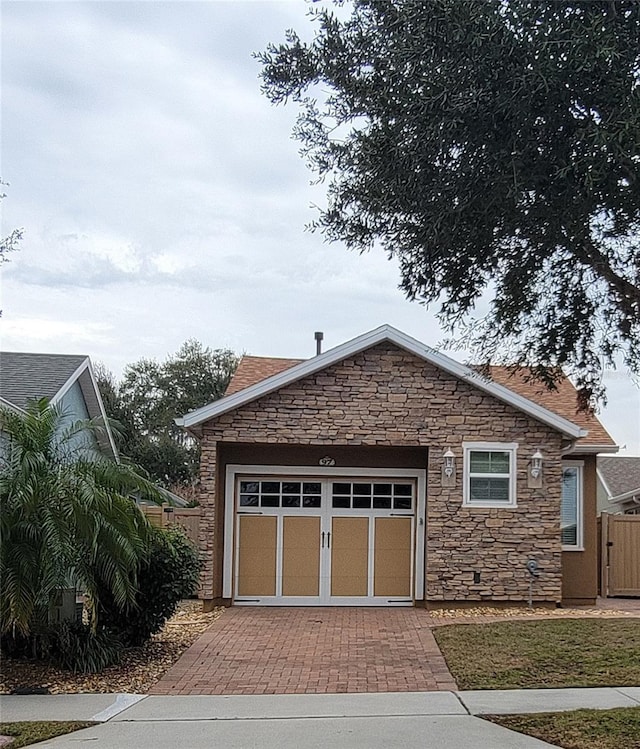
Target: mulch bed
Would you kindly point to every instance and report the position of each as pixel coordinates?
(139, 668)
(488, 614)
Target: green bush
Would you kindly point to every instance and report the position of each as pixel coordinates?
(71, 645)
(77, 648)
(169, 573)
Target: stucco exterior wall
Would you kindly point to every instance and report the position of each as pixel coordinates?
(386, 398)
(580, 568)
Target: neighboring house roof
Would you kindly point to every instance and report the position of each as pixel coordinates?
(25, 377)
(620, 476)
(256, 377)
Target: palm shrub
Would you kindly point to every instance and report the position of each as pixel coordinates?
(169, 573)
(66, 520)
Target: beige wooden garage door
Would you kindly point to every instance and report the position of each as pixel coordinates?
(325, 541)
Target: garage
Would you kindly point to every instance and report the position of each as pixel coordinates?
(314, 489)
(303, 538)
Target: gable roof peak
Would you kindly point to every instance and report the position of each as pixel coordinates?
(27, 376)
(365, 341)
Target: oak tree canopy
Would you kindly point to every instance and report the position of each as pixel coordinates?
(493, 148)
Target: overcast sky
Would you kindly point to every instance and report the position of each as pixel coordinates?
(162, 197)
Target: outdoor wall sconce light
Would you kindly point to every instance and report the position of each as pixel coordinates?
(536, 465)
(449, 463)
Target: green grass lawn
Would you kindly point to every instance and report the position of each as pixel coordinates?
(580, 729)
(548, 653)
(29, 732)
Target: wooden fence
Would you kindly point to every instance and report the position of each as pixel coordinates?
(166, 516)
(619, 555)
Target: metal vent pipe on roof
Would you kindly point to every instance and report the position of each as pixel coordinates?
(318, 335)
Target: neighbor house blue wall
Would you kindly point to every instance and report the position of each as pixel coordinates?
(74, 409)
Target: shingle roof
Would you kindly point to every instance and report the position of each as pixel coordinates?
(562, 401)
(25, 377)
(252, 369)
(621, 474)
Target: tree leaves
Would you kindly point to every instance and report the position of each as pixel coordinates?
(153, 394)
(492, 148)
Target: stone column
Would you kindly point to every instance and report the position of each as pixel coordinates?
(208, 517)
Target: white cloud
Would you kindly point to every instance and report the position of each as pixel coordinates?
(50, 335)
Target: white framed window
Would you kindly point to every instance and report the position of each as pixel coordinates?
(571, 525)
(489, 474)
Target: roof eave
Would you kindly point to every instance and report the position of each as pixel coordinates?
(11, 406)
(103, 413)
(591, 449)
(275, 382)
(69, 382)
(627, 495)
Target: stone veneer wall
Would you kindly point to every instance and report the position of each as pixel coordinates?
(387, 396)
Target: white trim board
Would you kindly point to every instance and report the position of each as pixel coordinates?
(605, 486)
(507, 447)
(385, 333)
(67, 385)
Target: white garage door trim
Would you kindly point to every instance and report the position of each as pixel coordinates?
(235, 470)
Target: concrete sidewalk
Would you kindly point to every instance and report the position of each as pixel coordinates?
(400, 719)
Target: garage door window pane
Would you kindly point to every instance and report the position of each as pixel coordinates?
(362, 503)
(290, 500)
(402, 490)
(270, 487)
(342, 502)
(249, 487)
(362, 489)
(382, 503)
(248, 500)
(382, 489)
(402, 503)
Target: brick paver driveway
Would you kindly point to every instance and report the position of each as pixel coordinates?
(311, 650)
